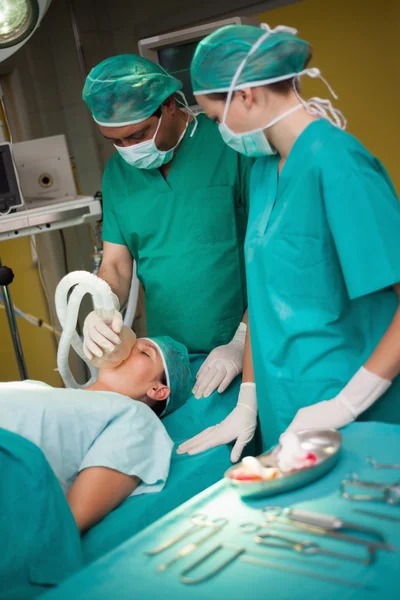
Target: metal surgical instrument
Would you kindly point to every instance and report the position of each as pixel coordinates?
(189, 548)
(237, 551)
(242, 555)
(313, 574)
(371, 513)
(308, 547)
(390, 493)
(273, 516)
(329, 522)
(376, 465)
(198, 521)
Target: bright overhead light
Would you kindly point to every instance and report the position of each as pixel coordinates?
(18, 18)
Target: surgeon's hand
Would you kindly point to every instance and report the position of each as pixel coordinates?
(362, 391)
(221, 366)
(239, 425)
(328, 414)
(98, 336)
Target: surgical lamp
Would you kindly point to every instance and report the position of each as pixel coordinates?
(19, 19)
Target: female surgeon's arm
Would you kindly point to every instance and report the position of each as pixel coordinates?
(385, 360)
(96, 492)
(248, 371)
(364, 389)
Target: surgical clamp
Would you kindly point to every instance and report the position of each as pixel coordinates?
(390, 493)
(198, 520)
(308, 547)
(376, 465)
(273, 515)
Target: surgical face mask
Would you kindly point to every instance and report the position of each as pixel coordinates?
(146, 155)
(253, 143)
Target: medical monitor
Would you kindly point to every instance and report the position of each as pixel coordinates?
(174, 51)
(10, 193)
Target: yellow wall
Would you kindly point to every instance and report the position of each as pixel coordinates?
(38, 344)
(356, 47)
(27, 293)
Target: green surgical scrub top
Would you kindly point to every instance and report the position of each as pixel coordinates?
(322, 256)
(186, 233)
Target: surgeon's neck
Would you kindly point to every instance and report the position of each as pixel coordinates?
(284, 134)
(182, 119)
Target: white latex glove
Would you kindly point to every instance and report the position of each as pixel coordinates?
(221, 366)
(98, 336)
(239, 425)
(359, 394)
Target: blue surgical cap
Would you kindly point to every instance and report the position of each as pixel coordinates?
(127, 89)
(219, 55)
(177, 371)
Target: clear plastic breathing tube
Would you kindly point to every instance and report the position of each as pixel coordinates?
(68, 310)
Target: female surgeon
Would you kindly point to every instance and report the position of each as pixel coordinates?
(323, 240)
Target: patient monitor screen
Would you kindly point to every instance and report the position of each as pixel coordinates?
(176, 60)
(9, 190)
(4, 185)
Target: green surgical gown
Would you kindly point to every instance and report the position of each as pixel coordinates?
(322, 254)
(186, 233)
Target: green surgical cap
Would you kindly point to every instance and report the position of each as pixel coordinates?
(127, 89)
(177, 370)
(218, 56)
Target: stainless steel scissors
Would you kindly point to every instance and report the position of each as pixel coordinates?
(308, 547)
(198, 521)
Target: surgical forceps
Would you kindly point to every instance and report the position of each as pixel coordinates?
(237, 551)
(317, 524)
(189, 548)
(390, 493)
(376, 515)
(242, 554)
(198, 521)
(313, 574)
(376, 465)
(308, 547)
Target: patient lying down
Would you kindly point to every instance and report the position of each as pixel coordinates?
(106, 442)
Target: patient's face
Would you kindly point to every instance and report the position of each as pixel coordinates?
(141, 372)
